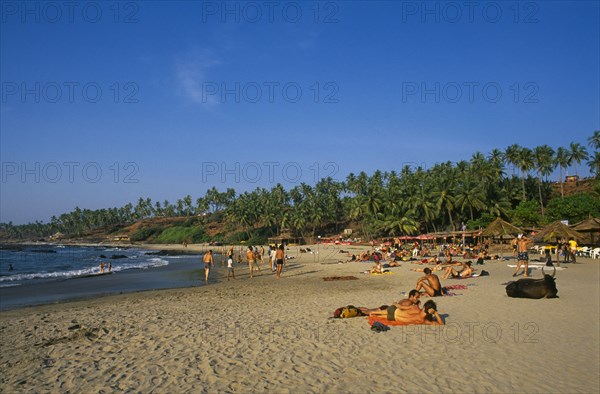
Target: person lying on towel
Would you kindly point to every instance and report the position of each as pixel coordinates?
(466, 272)
(413, 315)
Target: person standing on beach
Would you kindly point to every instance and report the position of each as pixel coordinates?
(261, 254)
(102, 267)
(250, 257)
(230, 253)
(279, 259)
(522, 245)
(573, 246)
(230, 271)
(208, 261)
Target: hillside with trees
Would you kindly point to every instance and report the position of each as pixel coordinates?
(513, 183)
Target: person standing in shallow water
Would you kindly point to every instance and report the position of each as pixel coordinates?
(208, 262)
(279, 258)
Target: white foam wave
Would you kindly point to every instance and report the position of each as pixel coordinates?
(151, 263)
(9, 284)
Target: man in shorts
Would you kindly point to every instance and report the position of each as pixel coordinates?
(251, 260)
(279, 259)
(208, 261)
(430, 283)
(522, 255)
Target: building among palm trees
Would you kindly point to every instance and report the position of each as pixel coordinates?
(572, 178)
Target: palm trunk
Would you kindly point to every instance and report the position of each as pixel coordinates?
(540, 192)
(562, 191)
(523, 181)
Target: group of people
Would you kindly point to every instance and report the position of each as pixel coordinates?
(105, 267)
(254, 258)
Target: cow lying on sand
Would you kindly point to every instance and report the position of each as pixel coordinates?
(533, 288)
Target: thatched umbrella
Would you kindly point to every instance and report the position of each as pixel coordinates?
(557, 230)
(591, 226)
(499, 228)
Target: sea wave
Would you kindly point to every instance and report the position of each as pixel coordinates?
(150, 263)
(9, 284)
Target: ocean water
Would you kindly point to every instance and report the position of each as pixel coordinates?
(48, 262)
(44, 274)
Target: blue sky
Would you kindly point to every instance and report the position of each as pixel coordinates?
(105, 102)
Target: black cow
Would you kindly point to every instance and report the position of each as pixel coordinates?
(533, 288)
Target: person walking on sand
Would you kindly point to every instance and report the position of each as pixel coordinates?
(257, 258)
(261, 254)
(279, 259)
(573, 249)
(250, 257)
(208, 261)
(230, 272)
(230, 253)
(522, 255)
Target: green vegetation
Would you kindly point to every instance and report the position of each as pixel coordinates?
(512, 184)
(144, 234)
(576, 208)
(179, 234)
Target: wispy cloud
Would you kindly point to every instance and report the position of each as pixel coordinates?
(192, 72)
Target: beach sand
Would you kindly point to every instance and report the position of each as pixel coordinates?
(268, 335)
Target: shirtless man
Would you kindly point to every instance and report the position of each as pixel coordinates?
(412, 301)
(250, 257)
(208, 261)
(466, 272)
(522, 245)
(279, 258)
(430, 283)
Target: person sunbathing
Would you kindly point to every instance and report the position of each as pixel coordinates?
(430, 283)
(432, 260)
(377, 269)
(413, 315)
(466, 272)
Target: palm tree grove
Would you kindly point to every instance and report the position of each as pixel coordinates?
(514, 184)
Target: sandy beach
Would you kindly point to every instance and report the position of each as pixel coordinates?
(268, 335)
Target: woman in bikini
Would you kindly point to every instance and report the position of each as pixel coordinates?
(413, 315)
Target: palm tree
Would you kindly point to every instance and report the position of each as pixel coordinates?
(594, 163)
(543, 157)
(562, 161)
(187, 201)
(525, 164)
(511, 155)
(594, 140)
(470, 195)
(497, 159)
(577, 153)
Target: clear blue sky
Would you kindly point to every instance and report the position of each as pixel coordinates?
(364, 85)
